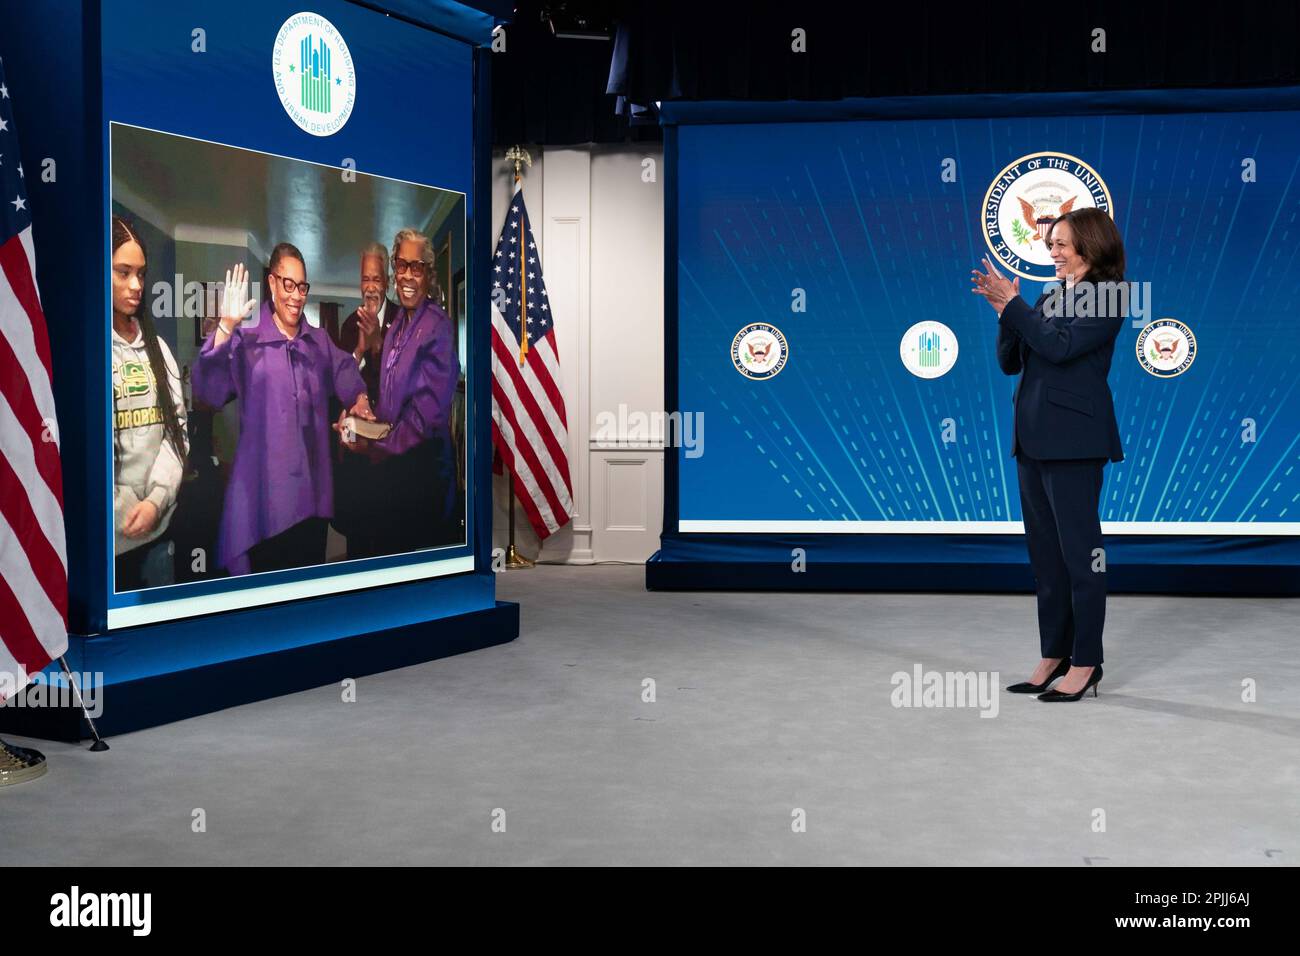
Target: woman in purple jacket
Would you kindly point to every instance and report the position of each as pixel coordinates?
(415, 487)
(283, 370)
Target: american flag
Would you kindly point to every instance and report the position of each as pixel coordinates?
(33, 560)
(529, 428)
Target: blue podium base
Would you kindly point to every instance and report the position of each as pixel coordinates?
(1151, 564)
(148, 702)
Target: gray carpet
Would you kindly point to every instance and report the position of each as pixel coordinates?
(765, 703)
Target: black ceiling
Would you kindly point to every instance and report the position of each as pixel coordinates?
(553, 91)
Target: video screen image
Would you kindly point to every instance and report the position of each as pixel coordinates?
(849, 378)
(288, 363)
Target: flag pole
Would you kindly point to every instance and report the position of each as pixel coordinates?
(100, 744)
(514, 560)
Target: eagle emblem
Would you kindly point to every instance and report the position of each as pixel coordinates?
(1167, 346)
(1039, 214)
(1026, 198)
(759, 350)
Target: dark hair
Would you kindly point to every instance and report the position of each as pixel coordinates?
(283, 250)
(1097, 241)
(124, 232)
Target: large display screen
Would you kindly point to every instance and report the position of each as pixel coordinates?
(286, 296)
(848, 378)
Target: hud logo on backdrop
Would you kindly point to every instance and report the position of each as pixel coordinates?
(1026, 197)
(759, 350)
(1166, 348)
(928, 349)
(314, 75)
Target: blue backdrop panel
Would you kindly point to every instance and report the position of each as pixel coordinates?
(421, 86)
(847, 203)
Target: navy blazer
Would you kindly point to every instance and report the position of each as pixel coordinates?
(1063, 406)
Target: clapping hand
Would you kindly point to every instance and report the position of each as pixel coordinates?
(367, 330)
(994, 286)
(368, 319)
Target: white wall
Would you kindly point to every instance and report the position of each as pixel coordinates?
(597, 215)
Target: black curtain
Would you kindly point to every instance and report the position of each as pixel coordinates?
(692, 51)
(550, 91)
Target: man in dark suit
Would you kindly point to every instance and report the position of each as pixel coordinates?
(1063, 433)
(362, 334)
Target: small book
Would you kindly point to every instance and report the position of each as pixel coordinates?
(374, 431)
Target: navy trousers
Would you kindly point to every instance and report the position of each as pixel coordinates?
(1059, 500)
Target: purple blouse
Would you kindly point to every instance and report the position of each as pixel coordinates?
(281, 473)
(417, 378)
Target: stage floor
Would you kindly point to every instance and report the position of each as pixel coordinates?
(766, 702)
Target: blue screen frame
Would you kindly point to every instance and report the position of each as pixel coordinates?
(153, 78)
(1020, 107)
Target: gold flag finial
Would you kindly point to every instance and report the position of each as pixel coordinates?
(519, 156)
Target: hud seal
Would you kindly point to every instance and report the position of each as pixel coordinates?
(928, 349)
(314, 75)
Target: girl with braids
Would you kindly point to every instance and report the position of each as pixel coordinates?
(149, 439)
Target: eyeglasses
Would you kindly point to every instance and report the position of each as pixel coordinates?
(290, 286)
(415, 267)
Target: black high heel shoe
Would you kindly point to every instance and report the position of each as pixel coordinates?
(1093, 680)
(1024, 687)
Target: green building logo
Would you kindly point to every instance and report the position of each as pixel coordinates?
(315, 78)
(315, 65)
(927, 348)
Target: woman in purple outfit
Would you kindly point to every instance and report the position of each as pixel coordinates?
(283, 370)
(415, 472)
